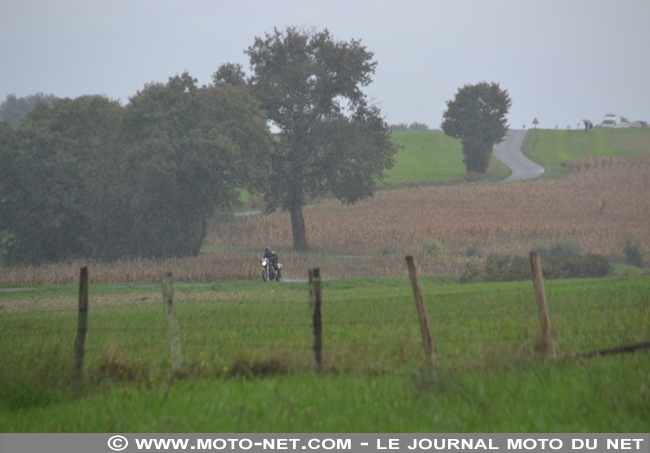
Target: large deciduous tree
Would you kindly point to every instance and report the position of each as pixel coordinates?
(476, 116)
(331, 139)
(53, 179)
(191, 150)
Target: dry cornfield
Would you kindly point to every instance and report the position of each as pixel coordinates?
(209, 267)
(600, 203)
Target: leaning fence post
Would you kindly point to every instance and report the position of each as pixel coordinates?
(545, 345)
(172, 324)
(82, 327)
(315, 300)
(423, 318)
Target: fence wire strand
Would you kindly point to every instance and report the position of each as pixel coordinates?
(357, 332)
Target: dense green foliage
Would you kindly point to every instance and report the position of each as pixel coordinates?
(633, 252)
(331, 140)
(477, 116)
(14, 109)
(90, 178)
(55, 174)
(557, 248)
(487, 379)
(190, 150)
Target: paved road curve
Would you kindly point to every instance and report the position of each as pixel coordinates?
(509, 152)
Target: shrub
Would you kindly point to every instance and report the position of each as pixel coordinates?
(387, 250)
(472, 274)
(401, 127)
(433, 246)
(418, 127)
(248, 368)
(633, 252)
(506, 268)
(474, 250)
(112, 365)
(557, 247)
(586, 266)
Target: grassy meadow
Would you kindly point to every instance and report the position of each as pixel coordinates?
(552, 148)
(426, 157)
(249, 368)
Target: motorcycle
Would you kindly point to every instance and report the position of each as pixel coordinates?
(269, 272)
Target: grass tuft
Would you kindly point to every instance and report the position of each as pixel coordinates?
(114, 365)
(258, 369)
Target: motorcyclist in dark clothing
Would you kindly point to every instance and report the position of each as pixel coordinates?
(272, 257)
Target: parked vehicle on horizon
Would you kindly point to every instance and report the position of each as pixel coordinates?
(612, 121)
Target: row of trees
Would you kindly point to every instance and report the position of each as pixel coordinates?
(91, 178)
(413, 127)
(13, 109)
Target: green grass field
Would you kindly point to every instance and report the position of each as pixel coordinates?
(432, 156)
(488, 377)
(426, 156)
(551, 148)
(423, 156)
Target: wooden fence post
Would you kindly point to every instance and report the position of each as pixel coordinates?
(315, 300)
(545, 345)
(172, 325)
(82, 328)
(423, 318)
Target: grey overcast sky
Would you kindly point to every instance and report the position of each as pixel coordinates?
(560, 60)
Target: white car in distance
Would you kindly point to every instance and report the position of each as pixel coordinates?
(611, 121)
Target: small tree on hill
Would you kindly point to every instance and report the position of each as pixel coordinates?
(477, 117)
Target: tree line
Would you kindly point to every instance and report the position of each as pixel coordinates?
(90, 178)
(13, 109)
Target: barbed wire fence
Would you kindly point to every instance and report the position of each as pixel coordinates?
(229, 337)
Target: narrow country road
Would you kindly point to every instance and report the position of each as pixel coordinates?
(509, 152)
